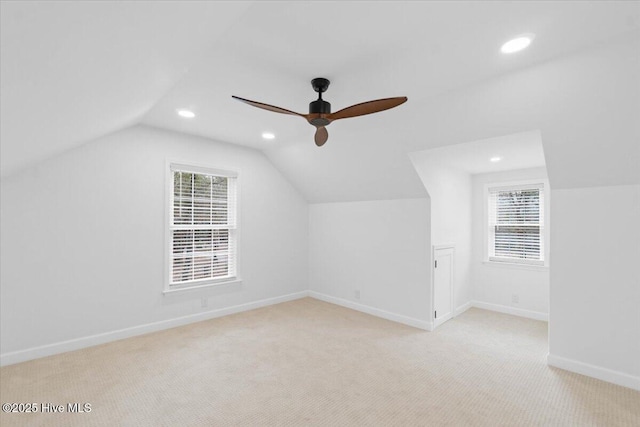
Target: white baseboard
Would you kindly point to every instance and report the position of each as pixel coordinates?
(603, 374)
(440, 320)
(464, 307)
(410, 321)
(79, 343)
(511, 310)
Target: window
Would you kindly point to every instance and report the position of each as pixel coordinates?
(202, 226)
(516, 232)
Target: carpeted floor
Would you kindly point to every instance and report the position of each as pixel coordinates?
(307, 362)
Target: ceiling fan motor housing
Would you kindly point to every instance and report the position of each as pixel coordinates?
(319, 106)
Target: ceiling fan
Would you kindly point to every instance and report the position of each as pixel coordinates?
(320, 114)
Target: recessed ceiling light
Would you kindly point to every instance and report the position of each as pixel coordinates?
(495, 159)
(268, 135)
(517, 44)
(186, 114)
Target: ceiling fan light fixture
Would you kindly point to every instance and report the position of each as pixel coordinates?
(517, 44)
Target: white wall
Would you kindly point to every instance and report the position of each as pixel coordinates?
(83, 238)
(450, 194)
(380, 248)
(496, 284)
(595, 282)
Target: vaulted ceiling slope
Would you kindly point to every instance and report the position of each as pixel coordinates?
(578, 84)
(74, 71)
(586, 107)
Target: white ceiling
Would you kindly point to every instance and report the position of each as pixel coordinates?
(75, 71)
(368, 50)
(516, 151)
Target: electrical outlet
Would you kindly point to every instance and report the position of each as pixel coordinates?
(357, 294)
(515, 298)
(204, 302)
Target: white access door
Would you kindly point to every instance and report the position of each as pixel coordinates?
(443, 285)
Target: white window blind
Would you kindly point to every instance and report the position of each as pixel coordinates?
(202, 227)
(516, 224)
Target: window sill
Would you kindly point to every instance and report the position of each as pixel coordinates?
(513, 265)
(235, 281)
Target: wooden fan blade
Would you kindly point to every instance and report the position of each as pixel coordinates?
(267, 106)
(321, 136)
(367, 108)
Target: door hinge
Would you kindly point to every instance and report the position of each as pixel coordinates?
(436, 266)
(435, 314)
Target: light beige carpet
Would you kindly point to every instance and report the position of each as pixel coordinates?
(307, 362)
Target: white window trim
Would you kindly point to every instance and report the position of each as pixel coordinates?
(526, 264)
(195, 167)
